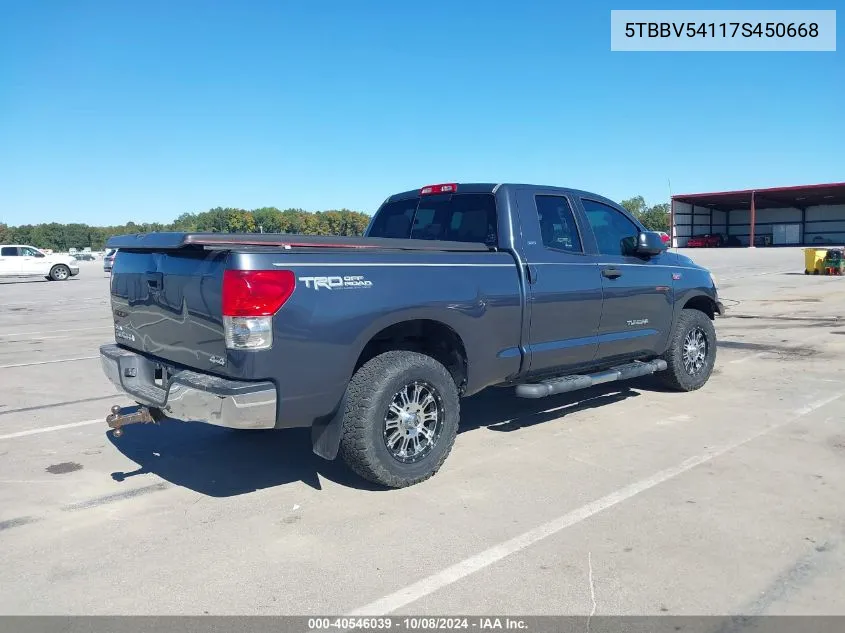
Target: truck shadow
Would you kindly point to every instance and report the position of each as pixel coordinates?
(220, 462)
(501, 411)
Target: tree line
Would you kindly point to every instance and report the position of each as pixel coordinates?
(61, 237)
(654, 218)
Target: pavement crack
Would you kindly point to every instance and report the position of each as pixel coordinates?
(592, 589)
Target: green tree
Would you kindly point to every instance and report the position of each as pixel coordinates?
(21, 234)
(636, 205)
(268, 219)
(656, 218)
(186, 222)
(239, 221)
(62, 237)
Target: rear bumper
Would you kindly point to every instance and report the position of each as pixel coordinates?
(189, 395)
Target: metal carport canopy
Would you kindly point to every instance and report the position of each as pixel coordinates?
(798, 197)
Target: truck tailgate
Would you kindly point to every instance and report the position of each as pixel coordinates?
(168, 304)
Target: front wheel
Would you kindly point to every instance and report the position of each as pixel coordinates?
(400, 419)
(59, 272)
(692, 352)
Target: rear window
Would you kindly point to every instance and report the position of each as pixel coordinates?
(460, 217)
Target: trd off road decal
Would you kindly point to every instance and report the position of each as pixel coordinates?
(336, 283)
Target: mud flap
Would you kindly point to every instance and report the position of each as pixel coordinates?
(327, 431)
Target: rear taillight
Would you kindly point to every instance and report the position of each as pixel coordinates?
(250, 299)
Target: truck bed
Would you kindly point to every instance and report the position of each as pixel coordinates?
(228, 241)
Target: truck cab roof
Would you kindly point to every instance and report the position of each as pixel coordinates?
(486, 187)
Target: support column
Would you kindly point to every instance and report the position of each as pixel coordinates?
(692, 220)
(753, 220)
(803, 225)
(672, 222)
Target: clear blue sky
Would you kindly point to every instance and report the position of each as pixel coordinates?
(117, 111)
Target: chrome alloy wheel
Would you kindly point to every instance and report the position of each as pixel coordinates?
(695, 351)
(413, 422)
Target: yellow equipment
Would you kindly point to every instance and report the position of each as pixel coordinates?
(814, 260)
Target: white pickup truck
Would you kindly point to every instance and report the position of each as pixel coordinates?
(20, 260)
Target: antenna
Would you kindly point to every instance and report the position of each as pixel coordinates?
(671, 215)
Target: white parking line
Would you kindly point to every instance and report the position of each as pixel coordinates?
(753, 274)
(77, 329)
(484, 559)
(50, 429)
(40, 338)
(47, 362)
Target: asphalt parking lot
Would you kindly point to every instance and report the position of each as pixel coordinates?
(619, 500)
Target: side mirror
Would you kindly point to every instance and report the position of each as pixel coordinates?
(39, 254)
(650, 243)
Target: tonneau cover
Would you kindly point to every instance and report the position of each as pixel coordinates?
(176, 240)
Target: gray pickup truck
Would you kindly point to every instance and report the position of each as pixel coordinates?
(372, 341)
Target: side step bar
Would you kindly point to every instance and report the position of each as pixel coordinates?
(573, 383)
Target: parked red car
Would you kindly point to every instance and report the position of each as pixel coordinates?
(705, 241)
(665, 237)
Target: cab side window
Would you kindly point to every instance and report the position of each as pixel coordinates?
(9, 251)
(557, 224)
(615, 233)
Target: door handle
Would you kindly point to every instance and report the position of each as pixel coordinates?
(611, 273)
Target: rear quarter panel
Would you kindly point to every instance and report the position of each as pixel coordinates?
(342, 301)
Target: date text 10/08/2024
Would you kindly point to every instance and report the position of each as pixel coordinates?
(720, 29)
(416, 624)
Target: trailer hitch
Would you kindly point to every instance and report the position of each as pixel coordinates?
(118, 418)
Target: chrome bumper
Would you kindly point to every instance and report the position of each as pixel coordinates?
(189, 395)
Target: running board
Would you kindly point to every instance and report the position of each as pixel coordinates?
(573, 383)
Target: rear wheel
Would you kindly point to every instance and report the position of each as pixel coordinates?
(692, 352)
(59, 272)
(401, 419)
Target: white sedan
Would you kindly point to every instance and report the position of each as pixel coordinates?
(19, 260)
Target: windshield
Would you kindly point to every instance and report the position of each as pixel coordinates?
(468, 217)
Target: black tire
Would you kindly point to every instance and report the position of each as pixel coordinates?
(59, 272)
(689, 376)
(370, 393)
